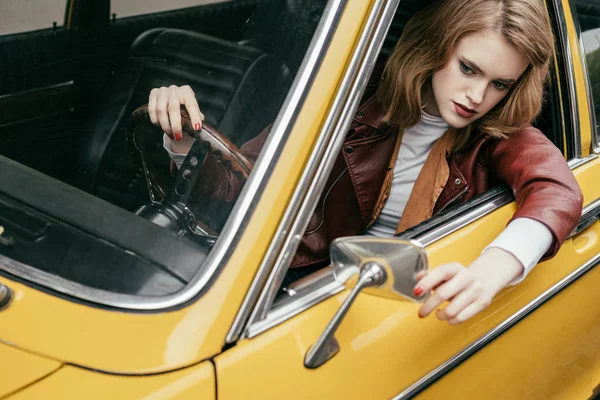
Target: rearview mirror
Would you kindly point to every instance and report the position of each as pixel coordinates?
(401, 260)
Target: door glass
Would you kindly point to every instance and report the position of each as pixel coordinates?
(22, 16)
(588, 15)
(92, 195)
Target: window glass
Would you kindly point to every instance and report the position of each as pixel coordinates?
(91, 195)
(127, 8)
(588, 14)
(22, 16)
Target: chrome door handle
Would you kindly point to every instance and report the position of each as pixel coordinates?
(589, 215)
(5, 296)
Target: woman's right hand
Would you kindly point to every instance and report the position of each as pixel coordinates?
(164, 108)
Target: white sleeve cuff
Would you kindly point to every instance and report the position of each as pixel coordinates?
(526, 239)
(178, 158)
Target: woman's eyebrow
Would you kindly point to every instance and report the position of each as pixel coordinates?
(476, 68)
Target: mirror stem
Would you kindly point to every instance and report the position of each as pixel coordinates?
(327, 346)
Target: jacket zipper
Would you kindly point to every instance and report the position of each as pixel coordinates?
(454, 198)
(325, 202)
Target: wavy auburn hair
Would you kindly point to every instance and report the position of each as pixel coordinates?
(430, 38)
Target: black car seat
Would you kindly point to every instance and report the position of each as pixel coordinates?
(239, 87)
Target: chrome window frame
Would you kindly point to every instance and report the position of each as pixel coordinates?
(594, 128)
(262, 315)
(242, 211)
(259, 299)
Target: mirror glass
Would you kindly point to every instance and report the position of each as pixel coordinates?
(402, 260)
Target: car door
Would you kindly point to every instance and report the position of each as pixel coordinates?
(536, 340)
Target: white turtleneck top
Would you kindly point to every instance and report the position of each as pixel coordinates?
(417, 142)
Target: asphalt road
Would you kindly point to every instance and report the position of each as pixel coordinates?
(26, 15)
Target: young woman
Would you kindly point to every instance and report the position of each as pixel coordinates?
(449, 118)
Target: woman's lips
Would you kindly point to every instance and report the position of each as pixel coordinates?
(463, 111)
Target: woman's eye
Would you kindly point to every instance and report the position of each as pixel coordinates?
(466, 69)
(500, 85)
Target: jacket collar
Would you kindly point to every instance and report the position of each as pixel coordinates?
(371, 113)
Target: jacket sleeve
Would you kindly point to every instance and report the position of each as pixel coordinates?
(542, 183)
(218, 183)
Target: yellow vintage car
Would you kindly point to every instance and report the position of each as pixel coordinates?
(99, 302)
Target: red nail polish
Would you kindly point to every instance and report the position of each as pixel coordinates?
(178, 136)
(418, 291)
(420, 316)
(197, 126)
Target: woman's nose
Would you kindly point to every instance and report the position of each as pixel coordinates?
(476, 92)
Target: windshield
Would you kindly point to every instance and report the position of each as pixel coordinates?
(95, 190)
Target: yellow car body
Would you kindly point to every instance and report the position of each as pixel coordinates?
(537, 340)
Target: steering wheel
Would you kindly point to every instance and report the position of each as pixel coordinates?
(169, 206)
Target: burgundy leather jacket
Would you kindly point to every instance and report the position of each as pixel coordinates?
(543, 185)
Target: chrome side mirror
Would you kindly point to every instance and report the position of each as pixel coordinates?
(382, 267)
(401, 260)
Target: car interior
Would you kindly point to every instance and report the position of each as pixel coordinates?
(66, 96)
(66, 99)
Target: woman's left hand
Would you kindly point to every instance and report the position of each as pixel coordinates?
(468, 290)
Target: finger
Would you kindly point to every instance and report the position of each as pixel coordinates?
(152, 106)
(432, 302)
(175, 112)
(437, 276)
(469, 311)
(188, 99)
(420, 275)
(449, 273)
(457, 304)
(455, 286)
(162, 103)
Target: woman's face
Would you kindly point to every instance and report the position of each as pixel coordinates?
(480, 73)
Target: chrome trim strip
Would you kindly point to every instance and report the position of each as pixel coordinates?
(323, 157)
(460, 222)
(326, 287)
(330, 18)
(570, 77)
(591, 209)
(578, 162)
(248, 198)
(595, 131)
(477, 345)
